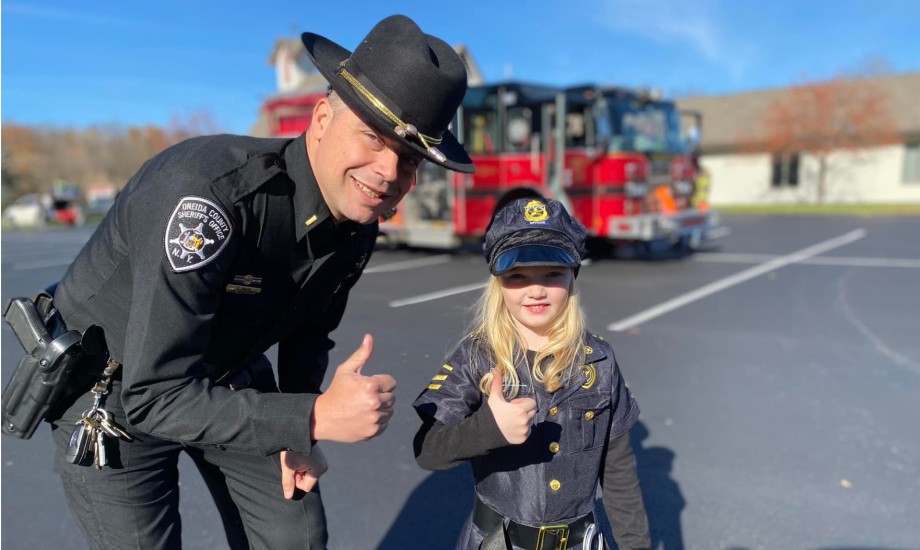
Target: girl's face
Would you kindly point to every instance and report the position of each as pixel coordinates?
(535, 296)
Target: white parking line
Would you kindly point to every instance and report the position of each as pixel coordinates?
(844, 261)
(732, 280)
(409, 264)
(437, 295)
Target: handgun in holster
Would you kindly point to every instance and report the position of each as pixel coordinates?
(53, 353)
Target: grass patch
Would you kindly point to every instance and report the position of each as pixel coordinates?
(826, 209)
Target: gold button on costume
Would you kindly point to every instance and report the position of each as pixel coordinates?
(553, 411)
(555, 485)
(589, 415)
(554, 447)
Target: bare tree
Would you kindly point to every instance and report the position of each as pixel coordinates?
(820, 118)
(34, 158)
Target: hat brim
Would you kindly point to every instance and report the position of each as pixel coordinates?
(533, 255)
(327, 56)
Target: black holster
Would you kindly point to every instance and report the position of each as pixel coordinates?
(53, 355)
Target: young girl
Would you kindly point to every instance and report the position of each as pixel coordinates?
(533, 401)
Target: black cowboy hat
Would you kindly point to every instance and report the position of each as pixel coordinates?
(402, 81)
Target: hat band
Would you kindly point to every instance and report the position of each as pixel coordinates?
(402, 129)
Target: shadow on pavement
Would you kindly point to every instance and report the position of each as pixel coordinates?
(663, 499)
(434, 513)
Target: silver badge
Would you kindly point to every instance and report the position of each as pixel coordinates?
(196, 233)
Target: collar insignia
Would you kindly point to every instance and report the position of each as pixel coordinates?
(245, 284)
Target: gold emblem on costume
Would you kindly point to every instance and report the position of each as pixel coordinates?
(589, 350)
(535, 211)
(591, 374)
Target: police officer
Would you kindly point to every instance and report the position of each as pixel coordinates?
(219, 248)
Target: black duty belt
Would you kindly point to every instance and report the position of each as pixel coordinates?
(545, 537)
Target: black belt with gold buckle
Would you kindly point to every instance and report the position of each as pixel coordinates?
(545, 537)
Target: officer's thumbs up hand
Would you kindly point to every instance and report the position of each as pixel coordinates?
(513, 417)
(354, 407)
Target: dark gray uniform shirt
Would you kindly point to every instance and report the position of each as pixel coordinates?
(552, 477)
(215, 250)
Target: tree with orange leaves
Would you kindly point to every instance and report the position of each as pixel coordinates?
(847, 113)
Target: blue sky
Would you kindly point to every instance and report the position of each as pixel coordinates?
(74, 64)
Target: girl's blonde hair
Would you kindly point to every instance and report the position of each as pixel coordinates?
(494, 329)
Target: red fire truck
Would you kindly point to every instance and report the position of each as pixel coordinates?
(619, 159)
(290, 115)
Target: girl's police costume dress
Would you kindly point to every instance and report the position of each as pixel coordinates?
(540, 494)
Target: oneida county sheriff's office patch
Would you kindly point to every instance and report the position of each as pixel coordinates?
(196, 233)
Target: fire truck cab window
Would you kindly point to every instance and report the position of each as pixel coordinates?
(575, 131)
(519, 129)
(482, 131)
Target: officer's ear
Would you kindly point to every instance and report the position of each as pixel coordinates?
(322, 117)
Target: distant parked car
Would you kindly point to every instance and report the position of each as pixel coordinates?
(66, 212)
(26, 211)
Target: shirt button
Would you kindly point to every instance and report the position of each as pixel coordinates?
(589, 415)
(554, 447)
(555, 485)
(553, 411)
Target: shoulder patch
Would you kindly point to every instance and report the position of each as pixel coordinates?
(196, 233)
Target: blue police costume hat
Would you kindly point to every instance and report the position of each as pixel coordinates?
(403, 82)
(533, 231)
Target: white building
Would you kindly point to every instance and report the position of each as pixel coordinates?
(883, 173)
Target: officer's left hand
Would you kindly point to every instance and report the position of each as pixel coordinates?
(301, 471)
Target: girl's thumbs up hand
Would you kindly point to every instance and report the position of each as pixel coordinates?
(513, 417)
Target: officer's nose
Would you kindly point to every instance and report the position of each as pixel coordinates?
(388, 164)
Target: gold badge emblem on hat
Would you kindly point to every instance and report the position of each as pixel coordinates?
(535, 211)
(591, 374)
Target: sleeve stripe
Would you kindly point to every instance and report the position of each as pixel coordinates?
(440, 377)
(434, 386)
(448, 367)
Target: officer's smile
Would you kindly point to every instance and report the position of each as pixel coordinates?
(366, 190)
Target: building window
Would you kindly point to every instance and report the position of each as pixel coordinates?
(785, 170)
(912, 163)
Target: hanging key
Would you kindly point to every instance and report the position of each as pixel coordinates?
(113, 429)
(107, 423)
(80, 442)
(102, 459)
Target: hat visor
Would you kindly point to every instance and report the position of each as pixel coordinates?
(532, 255)
(328, 56)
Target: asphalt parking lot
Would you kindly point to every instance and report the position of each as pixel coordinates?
(778, 373)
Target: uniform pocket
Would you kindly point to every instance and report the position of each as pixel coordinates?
(587, 420)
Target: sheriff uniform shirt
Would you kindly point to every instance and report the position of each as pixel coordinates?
(215, 250)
